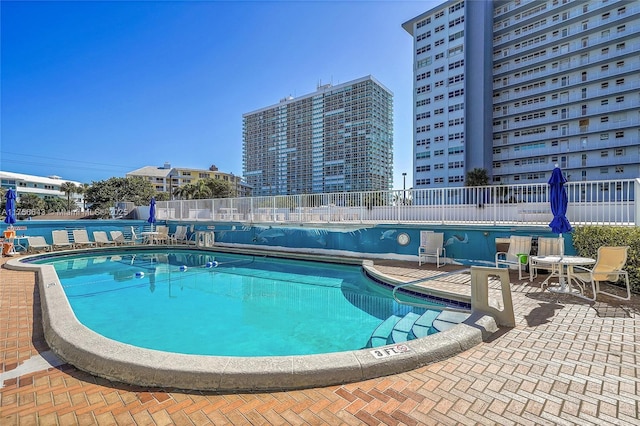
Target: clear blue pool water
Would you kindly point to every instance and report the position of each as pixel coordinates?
(246, 306)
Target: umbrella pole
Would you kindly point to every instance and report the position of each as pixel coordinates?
(563, 283)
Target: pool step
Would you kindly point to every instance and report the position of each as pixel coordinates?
(423, 326)
(401, 328)
(381, 334)
(448, 319)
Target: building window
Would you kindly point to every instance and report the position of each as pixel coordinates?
(619, 135)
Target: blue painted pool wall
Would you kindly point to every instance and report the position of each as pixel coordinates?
(463, 243)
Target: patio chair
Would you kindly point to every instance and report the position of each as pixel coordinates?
(180, 236)
(61, 239)
(101, 239)
(135, 237)
(37, 243)
(163, 234)
(81, 238)
(608, 267)
(547, 246)
(431, 245)
(121, 238)
(517, 256)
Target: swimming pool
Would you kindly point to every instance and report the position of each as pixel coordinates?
(91, 352)
(205, 303)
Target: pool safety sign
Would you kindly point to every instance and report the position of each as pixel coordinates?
(390, 351)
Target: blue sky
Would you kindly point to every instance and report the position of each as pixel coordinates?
(91, 90)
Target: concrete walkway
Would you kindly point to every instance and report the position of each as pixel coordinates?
(567, 362)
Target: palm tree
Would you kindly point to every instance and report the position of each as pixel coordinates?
(69, 188)
(83, 190)
(183, 192)
(201, 190)
(477, 177)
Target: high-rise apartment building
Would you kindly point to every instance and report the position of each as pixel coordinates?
(516, 87)
(337, 139)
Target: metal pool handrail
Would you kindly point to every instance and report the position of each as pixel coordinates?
(422, 280)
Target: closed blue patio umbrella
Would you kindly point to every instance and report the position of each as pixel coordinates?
(152, 212)
(10, 207)
(559, 201)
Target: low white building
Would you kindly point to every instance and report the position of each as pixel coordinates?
(43, 187)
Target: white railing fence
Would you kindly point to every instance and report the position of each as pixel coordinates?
(611, 202)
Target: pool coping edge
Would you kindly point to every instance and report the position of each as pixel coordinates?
(120, 362)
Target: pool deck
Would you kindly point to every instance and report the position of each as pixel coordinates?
(567, 361)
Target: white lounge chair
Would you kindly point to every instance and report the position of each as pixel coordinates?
(431, 245)
(61, 239)
(118, 238)
(37, 243)
(517, 256)
(81, 238)
(101, 239)
(180, 236)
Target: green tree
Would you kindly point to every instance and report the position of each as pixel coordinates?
(477, 177)
(219, 188)
(69, 188)
(56, 204)
(183, 192)
(162, 196)
(201, 190)
(105, 194)
(82, 189)
(30, 205)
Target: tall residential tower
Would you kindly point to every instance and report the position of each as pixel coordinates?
(516, 87)
(337, 139)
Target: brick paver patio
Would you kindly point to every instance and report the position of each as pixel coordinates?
(567, 362)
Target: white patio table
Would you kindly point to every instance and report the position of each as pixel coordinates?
(563, 270)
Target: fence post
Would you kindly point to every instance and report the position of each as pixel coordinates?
(636, 201)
